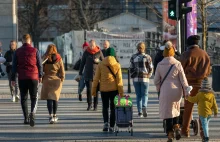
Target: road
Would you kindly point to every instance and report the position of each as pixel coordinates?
(77, 124)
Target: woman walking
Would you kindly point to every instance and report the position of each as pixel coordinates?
(52, 81)
(170, 72)
(141, 69)
(108, 73)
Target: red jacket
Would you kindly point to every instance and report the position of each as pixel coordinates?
(27, 63)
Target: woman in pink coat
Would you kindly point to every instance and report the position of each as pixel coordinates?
(171, 91)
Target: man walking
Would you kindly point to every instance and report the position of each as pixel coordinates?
(9, 58)
(196, 65)
(27, 63)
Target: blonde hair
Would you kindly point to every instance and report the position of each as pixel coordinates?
(141, 47)
(169, 50)
(51, 49)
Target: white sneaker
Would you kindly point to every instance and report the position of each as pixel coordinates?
(51, 120)
(13, 98)
(55, 119)
(17, 98)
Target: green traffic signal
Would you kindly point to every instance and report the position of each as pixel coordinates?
(172, 9)
(172, 14)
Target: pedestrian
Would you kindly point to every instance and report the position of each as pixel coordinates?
(81, 84)
(141, 69)
(27, 64)
(206, 101)
(106, 45)
(196, 65)
(53, 78)
(8, 63)
(1, 71)
(91, 57)
(170, 73)
(108, 74)
(159, 56)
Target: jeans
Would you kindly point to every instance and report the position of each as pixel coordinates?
(30, 86)
(205, 124)
(13, 89)
(89, 93)
(141, 90)
(81, 85)
(108, 97)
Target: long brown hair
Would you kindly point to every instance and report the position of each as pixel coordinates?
(51, 49)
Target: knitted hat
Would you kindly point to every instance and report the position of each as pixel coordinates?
(110, 52)
(169, 50)
(85, 44)
(205, 84)
(193, 39)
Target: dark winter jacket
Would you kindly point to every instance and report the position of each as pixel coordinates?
(9, 58)
(89, 65)
(27, 63)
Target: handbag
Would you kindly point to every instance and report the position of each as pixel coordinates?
(77, 65)
(164, 79)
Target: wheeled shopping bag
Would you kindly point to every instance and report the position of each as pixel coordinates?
(123, 114)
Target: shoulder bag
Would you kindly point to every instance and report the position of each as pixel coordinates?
(164, 79)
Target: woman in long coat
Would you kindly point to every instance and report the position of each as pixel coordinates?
(171, 91)
(52, 81)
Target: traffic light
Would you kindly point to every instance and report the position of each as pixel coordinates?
(172, 9)
(183, 9)
(175, 12)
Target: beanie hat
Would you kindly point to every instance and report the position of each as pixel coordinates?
(205, 84)
(110, 52)
(85, 44)
(169, 50)
(192, 40)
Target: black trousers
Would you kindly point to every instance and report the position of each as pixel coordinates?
(170, 122)
(108, 98)
(32, 87)
(52, 106)
(89, 93)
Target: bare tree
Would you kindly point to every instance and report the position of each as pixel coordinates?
(208, 14)
(33, 18)
(83, 14)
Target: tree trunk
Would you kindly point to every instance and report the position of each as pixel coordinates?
(83, 15)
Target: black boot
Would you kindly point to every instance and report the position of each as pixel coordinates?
(80, 97)
(205, 139)
(95, 107)
(89, 107)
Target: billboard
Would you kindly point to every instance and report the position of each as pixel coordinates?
(124, 43)
(192, 19)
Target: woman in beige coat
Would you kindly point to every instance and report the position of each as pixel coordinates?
(171, 91)
(52, 81)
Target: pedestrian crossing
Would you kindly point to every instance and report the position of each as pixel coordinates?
(75, 123)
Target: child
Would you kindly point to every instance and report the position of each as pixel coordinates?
(206, 104)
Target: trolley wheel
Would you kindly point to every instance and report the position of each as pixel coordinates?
(196, 126)
(131, 131)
